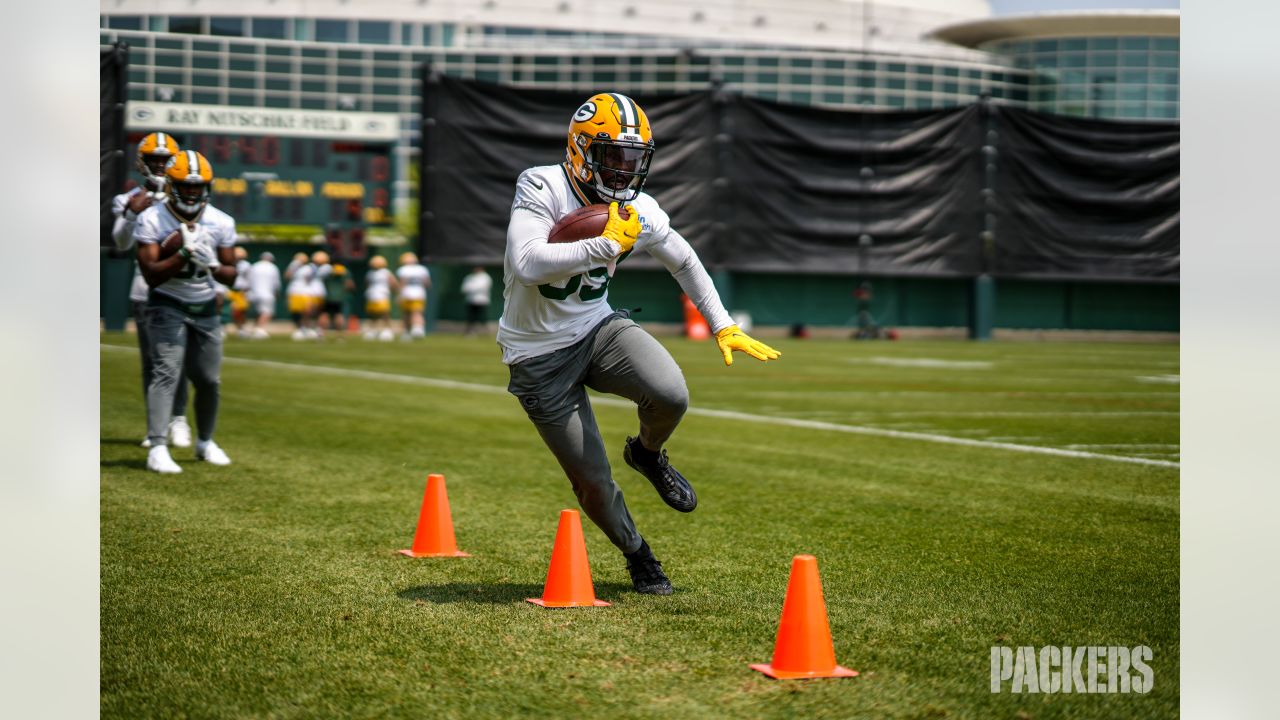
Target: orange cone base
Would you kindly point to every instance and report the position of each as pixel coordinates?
(412, 554)
(545, 604)
(838, 672)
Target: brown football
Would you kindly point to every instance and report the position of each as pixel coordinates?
(583, 223)
(171, 244)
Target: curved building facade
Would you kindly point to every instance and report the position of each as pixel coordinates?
(367, 56)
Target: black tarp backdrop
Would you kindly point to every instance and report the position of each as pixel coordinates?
(766, 187)
(830, 191)
(113, 66)
(1085, 198)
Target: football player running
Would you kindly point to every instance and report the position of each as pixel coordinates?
(415, 281)
(153, 152)
(181, 306)
(559, 335)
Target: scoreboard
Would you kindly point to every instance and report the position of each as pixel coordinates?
(284, 167)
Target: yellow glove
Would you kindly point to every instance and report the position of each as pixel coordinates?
(623, 232)
(732, 338)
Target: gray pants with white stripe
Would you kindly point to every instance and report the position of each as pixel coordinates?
(619, 357)
(182, 344)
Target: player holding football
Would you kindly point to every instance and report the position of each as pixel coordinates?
(559, 336)
(181, 307)
(153, 152)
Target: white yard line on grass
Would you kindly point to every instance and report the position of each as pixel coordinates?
(926, 363)
(704, 412)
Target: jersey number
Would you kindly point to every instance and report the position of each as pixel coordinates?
(588, 292)
(192, 271)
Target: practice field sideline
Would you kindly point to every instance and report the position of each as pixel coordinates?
(272, 588)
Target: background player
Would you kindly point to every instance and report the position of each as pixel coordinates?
(153, 152)
(238, 295)
(415, 280)
(264, 286)
(181, 308)
(378, 284)
(559, 335)
(296, 295)
(476, 288)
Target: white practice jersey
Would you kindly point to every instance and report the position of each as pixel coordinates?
(298, 277)
(122, 233)
(414, 280)
(214, 228)
(377, 284)
(264, 280)
(476, 288)
(241, 283)
(315, 283)
(555, 294)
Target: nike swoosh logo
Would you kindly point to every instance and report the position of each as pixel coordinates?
(535, 183)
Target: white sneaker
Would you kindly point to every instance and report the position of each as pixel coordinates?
(180, 432)
(386, 335)
(146, 442)
(299, 335)
(211, 453)
(417, 333)
(260, 334)
(159, 460)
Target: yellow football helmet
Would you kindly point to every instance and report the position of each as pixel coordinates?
(187, 178)
(153, 152)
(377, 262)
(610, 146)
(408, 259)
(320, 257)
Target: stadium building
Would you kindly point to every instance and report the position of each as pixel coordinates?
(905, 54)
(364, 59)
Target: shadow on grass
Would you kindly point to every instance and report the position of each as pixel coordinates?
(136, 463)
(122, 441)
(494, 593)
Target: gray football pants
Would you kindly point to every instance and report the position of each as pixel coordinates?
(618, 358)
(144, 349)
(182, 344)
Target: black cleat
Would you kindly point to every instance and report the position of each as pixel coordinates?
(646, 572)
(670, 484)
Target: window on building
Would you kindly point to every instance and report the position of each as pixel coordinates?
(1073, 45)
(157, 23)
(230, 26)
(1107, 44)
(124, 22)
(1165, 44)
(1135, 43)
(376, 32)
(406, 33)
(332, 30)
(189, 24)
(270, 28)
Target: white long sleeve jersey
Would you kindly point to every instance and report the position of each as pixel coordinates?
(554, 294)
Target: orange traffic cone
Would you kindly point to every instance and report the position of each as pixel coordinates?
(803, 648)
(569, 577)
(695, 326)
(434, 537)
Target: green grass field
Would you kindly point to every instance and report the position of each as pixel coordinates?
(272, 588)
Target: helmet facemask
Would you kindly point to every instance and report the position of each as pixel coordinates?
(618, 169)
(152, 168)
(188, 198)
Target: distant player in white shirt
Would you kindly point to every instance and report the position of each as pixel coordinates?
(153, 152)
(182, 308)
(415, 281)
(559, 335)
(264, 286)
(296, 295)
(316, 272)
(239, 293)
(476, 288)
(378, 284)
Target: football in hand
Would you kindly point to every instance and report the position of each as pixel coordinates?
(171, 244)
(583, 223)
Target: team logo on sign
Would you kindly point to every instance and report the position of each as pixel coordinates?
(585, 113)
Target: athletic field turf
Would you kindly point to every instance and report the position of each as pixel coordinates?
(272, 588)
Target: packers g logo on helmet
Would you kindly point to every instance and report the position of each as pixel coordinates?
(153, 152)
(187, 178)
(610, 145)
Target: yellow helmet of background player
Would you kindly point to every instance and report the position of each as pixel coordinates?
(300, 257)
(610, 146)
(320, 257)
(187, 178)
(377, 262)
(153, 152)
(408, 259)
